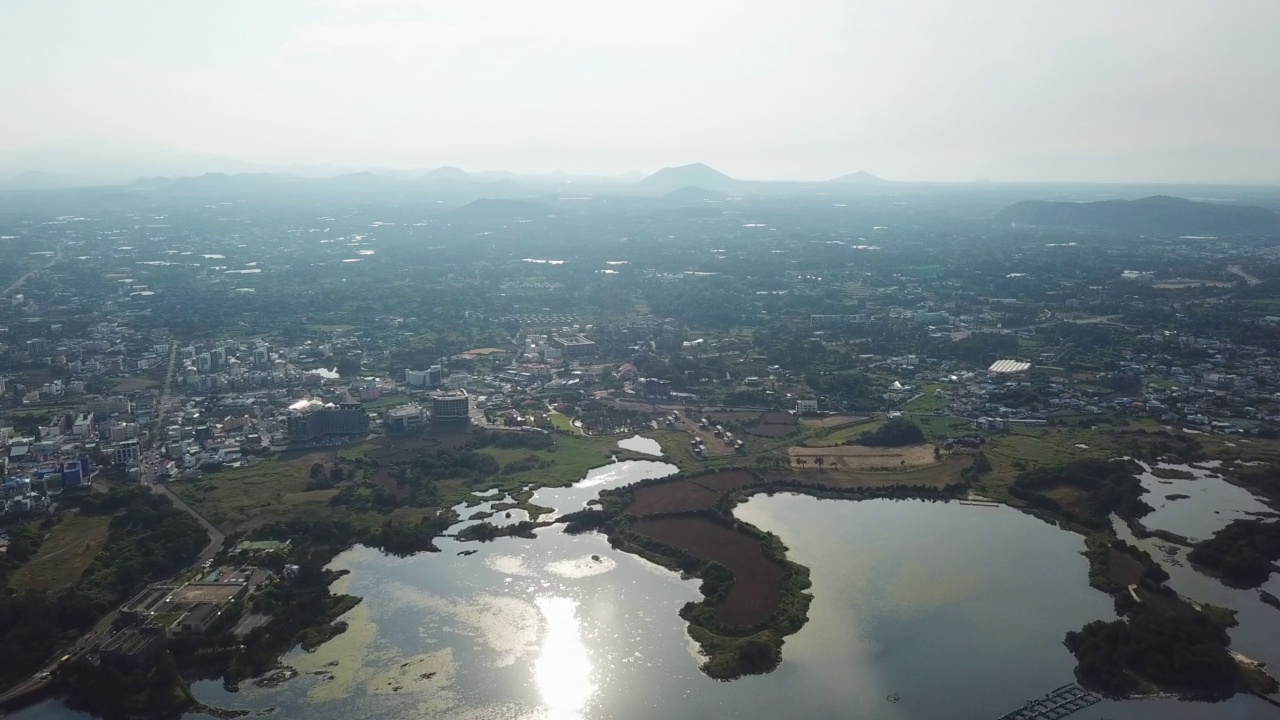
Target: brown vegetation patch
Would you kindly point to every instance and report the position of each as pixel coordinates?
(66, 552)
(729, 416)
(727, 480)
(938, 475)
(671, 497)
(1123, 569)
(771, 431)
(696, 493)
(387, 481)
(833, 421)
(754, 596)
(779, 418)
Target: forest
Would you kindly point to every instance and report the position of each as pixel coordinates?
(148, 540)
(1243, 553)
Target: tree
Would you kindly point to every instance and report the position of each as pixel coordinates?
(316, 469)
(819, 462)
(894, 433)
(801, 462)
(336, 476)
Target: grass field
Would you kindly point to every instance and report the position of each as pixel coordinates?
(274, 489)
(563, 422)
(134, 384)
(1024, 447)
(66, 552)
(927, 402)
(386, 401)
(936, 427)
(843, 435)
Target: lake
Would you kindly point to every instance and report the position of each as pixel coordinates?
(957, 611)
(1211, 503)
(639, 444)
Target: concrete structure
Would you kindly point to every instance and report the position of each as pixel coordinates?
(404, 418)
(653, 388)
(806, 406)
(574, 346)
(1009, 367)
(451, 407)
(313, 421)
(124, 453)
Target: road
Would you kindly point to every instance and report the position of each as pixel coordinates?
(100, 631)
(151, 459)
(19, 282)
(1249, 279)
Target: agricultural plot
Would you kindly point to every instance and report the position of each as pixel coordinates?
(859, 457)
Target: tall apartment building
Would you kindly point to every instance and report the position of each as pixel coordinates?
(451, 407)
(316, 422)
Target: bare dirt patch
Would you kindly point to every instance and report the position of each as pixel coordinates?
(754, 596)
(860, 457)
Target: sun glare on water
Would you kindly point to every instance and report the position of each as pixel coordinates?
(563, 669)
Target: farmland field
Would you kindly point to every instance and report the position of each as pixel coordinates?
(859, 457)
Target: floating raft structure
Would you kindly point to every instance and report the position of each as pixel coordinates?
(1057, 704)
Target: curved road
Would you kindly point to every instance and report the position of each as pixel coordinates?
(101, 629)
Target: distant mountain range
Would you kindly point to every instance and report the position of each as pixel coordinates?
(859, 178)
(1155, 215)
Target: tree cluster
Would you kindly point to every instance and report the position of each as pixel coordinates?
(1243, 553)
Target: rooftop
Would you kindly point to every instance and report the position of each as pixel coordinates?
(1004, 367)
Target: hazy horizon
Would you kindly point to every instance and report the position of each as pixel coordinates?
(1144, 92)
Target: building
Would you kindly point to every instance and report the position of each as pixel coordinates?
(653, 388)
(430, 378)
(313, 421)
(1009, 367)
(403, 419)
(125, 453)
(133, 647)
(806, 407)
(450, 407)
(574, 346)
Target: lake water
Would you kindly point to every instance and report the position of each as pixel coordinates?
(639, 444)
(959, 610)
(1212, 503)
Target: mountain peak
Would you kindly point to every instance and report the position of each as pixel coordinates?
(862, 177)
(694, 175)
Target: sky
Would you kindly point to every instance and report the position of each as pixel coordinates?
(1005, 90)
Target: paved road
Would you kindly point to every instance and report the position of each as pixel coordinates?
(1249, 279)
(101, 630)
(151, 458)
(18, 283)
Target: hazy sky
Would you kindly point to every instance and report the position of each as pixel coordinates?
(1167, 90)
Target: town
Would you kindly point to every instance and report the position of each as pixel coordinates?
(241, 380)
